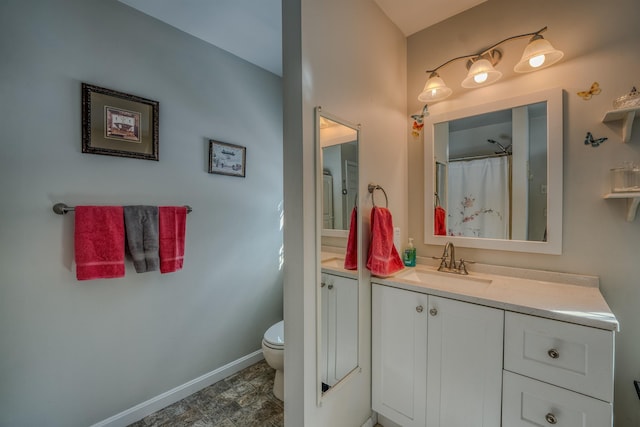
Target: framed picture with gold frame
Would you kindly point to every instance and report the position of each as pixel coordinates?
(119, 124)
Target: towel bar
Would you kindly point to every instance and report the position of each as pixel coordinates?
(61, 208)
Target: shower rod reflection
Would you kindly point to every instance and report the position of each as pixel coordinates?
(485, 156)
(61, 208)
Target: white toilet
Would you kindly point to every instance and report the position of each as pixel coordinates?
(273, 350)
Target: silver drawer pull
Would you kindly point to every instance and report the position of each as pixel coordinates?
(433, 312)
(330, 286)
(553, 353)
(551, 419)
(419, 309)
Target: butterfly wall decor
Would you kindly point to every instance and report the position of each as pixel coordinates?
(594, 90)
(418, 121)
(594, 142)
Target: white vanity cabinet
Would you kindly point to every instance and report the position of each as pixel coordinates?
(490, 350)
(436, 362)
(339, 326)
(557, 373)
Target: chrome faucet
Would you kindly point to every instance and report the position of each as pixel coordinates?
(451, 265)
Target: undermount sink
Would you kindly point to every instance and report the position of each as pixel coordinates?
(434, 277)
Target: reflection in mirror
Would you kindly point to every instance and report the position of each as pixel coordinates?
(496, 174)
(337, 289)
(496, 171)
(339, 175)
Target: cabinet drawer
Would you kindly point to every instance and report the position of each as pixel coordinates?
(527, 402)
(576, 357)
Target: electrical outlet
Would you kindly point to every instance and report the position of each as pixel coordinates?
(396, 237)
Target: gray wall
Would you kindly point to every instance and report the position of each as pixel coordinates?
(74, 353)
(600, 41)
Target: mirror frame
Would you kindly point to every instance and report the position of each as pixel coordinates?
(555, 135)
(320, 232)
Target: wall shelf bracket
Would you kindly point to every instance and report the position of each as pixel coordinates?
(633, 200)
(627, 115)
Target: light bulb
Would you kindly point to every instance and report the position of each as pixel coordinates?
(480, 77)
(536, 61)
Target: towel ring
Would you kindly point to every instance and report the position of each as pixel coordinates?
(372, 188)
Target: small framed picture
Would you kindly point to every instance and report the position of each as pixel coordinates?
(118, 124)
(227, 159)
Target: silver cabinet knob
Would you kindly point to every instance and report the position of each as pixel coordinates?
(553, 353)
(551, 419)
(330, 286)
(433, 312)
(322, 284)
(419, 309)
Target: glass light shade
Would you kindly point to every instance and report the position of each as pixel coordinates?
(537, 55)
(434, 90)
(481, 73)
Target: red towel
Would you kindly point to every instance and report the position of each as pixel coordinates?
(439, 222)
(172, 224)
(99, 242)
(351, 257)
(383, 256)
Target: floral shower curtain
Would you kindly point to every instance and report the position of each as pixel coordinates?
(478, 198)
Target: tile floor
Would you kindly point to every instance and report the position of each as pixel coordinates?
(244, 399)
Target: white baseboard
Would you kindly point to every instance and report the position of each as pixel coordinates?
(384, 421)
(176, 394)
(372, 421)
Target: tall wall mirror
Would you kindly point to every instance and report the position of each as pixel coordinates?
(493, 175)
(337, 294)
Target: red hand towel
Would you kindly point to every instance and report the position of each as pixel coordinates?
(383, 256)
(439, 222)
(351, 257)
(172, 224)
(99, 242)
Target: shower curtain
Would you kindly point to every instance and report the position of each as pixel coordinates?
(478, 198)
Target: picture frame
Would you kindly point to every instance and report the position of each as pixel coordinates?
(227, 159)
(119, 124)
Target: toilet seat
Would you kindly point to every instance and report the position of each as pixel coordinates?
(274, 337)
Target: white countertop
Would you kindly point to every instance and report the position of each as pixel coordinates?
(332, 264)
(566, 297)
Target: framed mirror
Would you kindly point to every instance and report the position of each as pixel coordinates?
(337, 290)
(493, 175)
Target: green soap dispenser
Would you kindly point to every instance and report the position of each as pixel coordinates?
(409, 255)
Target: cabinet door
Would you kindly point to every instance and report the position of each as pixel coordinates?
(339, 327)
(399, 344)
(464, 369)
(344, 334)
(324, 328)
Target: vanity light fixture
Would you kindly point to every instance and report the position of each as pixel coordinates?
(538, 54)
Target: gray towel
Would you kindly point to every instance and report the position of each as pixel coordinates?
(141, 224)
